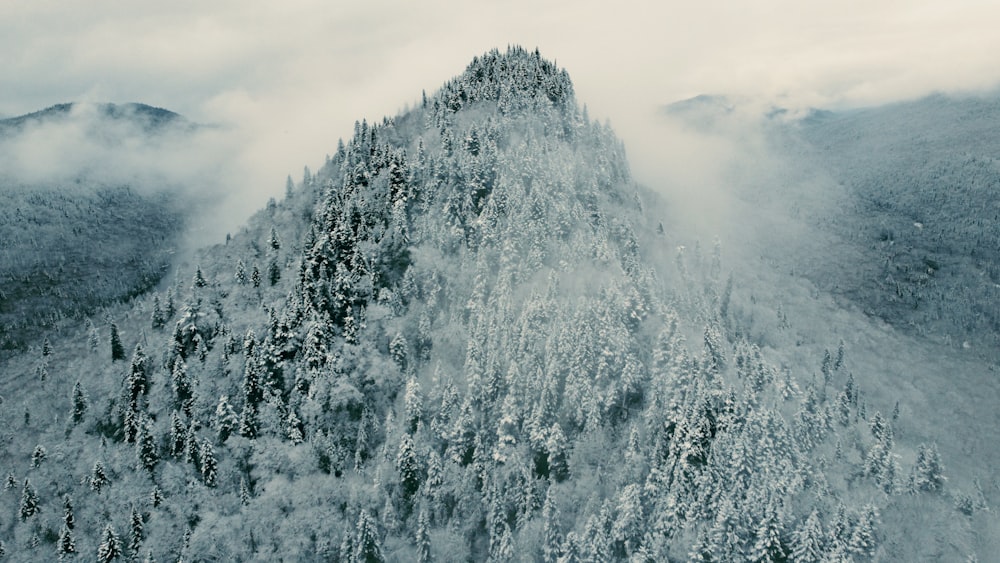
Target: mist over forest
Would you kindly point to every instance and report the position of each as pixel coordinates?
(486, 328)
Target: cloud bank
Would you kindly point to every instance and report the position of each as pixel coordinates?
(289, 81)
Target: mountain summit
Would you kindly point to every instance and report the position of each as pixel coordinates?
(458, 340)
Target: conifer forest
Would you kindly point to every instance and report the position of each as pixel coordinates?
(472, 335)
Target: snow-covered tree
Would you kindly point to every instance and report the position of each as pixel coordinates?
(117, 350)
(110, 546)
(29, 501)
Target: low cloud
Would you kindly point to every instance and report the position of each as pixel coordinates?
(286, 82)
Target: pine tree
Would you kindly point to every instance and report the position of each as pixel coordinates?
(367, 547)
(145, 446)
(171, 306)
(93, 336)
(37, 456)
(199, 279)
(66, 545)
(503, 548)
(117, 350)
(110, 548)
(79, 403)
(136, 533)
(46, 348)
(408, 467)
(241, 273)
(551, 536)
(245, 494)
(628, 528)
(138, 379)
(156, 497)
(807, 540)
(768, 546)
(69, 520)
(928, 472)
(182, 388)
(423, 536)
(225, 420)
(98, 477)
(209, 467)
(862, 541)
(294, 428)
(273, 242)
(29, 501)
(412, 404)
(273, 272)
(157, 318)
(255, 276)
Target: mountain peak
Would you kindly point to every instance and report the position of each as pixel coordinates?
(516, 79)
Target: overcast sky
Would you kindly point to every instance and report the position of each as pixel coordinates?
(294, 76)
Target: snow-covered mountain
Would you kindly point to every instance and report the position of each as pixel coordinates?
(472, 336)
(83, 222)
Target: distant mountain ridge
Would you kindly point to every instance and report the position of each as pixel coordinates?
(150, 118)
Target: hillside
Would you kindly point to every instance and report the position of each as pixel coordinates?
(926, 184)
(469, 336)
(79, 230)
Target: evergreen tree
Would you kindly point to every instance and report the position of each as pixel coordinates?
(98, 477)
(157, 319)
(225, 420)
(198, 281)
(408, 467)
(273, 242)
(628, 528)
(551, 536)
(37, 456)
(29, 501)
(171, 306)
(110, 547)
(182, 387)
(138, 379)
(807, 540)
(245, 495)
(93, 336)
(768, 546)
(136, 533)
(367, 546)
(423, 536)
(79, 403)
(294, 428)
(862, 541)
(46, 348)
(156, 497)
(255, 276)
(273, 272)
(241, 273)
(145, 446)
(117, 350)
(66, 544)
(209, 467)
(928, 472)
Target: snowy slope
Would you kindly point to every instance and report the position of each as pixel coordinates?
(472, 336)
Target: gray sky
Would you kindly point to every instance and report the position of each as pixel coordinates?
(294, 76)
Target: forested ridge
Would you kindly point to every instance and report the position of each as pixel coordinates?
(457, 340)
